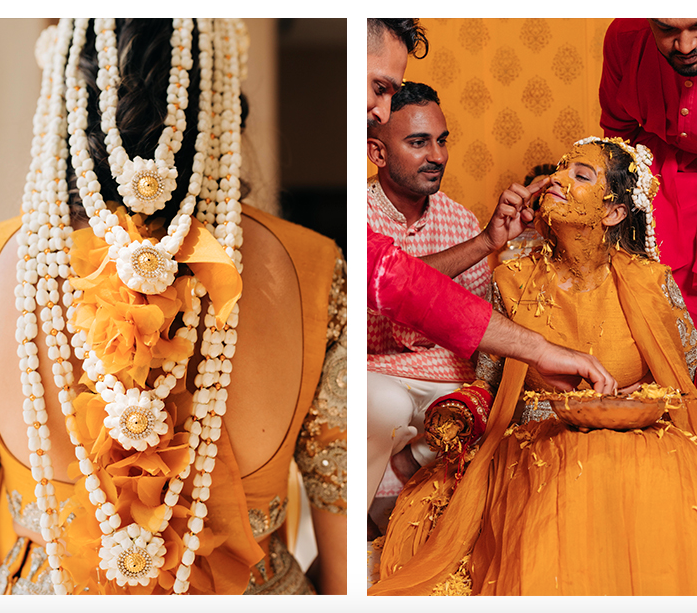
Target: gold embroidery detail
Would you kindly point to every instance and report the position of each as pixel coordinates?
(320, 457)
(36, 580)
(263, 524)
(685, 325)
(288, 578)
(324, 475)
(672, 291)
(337, 301)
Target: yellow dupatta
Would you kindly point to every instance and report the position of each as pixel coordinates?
(651, 318)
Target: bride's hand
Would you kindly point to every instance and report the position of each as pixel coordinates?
(647, 378)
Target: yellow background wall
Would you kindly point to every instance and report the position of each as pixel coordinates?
(515, 92)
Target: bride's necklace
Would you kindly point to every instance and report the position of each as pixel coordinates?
(135, 418)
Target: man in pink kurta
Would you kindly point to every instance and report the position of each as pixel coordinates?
(407, 371)
(648, 95)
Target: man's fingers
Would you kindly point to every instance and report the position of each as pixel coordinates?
(602, 381)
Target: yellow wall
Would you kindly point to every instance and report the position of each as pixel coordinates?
(515, 92)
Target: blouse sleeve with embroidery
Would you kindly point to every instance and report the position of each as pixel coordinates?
(320, 452)
(683, 321)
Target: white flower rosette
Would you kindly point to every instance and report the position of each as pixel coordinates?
(132, 555)
(135, 419)
(146, 185)
(145, 267)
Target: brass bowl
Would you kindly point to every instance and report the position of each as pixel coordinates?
(611, 412)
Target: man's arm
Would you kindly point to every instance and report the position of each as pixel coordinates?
(560, 367)
(510, 218)
(412, 293)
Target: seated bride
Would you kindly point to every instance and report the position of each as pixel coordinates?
(536, 506)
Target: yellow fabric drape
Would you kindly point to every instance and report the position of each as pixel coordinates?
(651, 319)
(516, 93)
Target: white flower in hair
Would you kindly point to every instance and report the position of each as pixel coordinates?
(132, 555)
(146, 185)
(146, 267)
(135, 419)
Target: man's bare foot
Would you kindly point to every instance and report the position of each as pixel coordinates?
(373, 530)
(404, 465)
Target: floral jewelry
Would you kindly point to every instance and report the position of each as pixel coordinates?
(646, 185)
(53, 295)
(145, 185)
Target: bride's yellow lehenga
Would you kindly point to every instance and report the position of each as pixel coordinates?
(543, 508)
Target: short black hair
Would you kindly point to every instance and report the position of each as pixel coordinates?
(409, 31)
(414, 93)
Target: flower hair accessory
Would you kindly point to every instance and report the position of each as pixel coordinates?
(114, 297)
(646, 186)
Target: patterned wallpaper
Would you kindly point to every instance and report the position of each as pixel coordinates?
(515, 92)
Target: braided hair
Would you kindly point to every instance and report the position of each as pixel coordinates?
(144, 52)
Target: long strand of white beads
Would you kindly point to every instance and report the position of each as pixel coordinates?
(204, 427)
(228, 210)
(205, 210)
(45, 203)
(217, 346)
(131, 555)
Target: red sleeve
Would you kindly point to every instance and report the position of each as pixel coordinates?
(412, 293)
(614, 119)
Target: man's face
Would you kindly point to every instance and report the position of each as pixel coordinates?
(415, 148)
(677, 41)
(385, 74)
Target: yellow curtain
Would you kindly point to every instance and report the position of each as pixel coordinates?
(515, 92)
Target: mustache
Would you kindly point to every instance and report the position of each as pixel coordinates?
(432, 168)
(686, 56)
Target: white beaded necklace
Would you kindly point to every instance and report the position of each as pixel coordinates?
(135, 418)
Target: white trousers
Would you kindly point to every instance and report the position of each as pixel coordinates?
(396, 408)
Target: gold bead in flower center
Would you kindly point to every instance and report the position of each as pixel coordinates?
(136, 422)
(147, 262)
(135, 562)
(147, 185)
